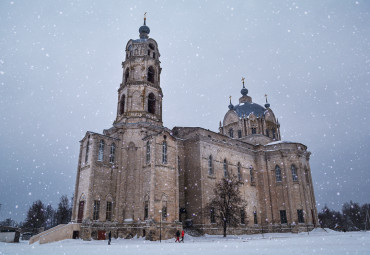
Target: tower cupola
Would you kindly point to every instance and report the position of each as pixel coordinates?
(144, 30)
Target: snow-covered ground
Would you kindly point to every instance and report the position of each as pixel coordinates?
(317, 242)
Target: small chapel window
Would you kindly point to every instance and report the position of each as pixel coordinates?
(147, 152)
(151, 74)
(210, 165)
(101, 150)
(151, 103)
(164, 152)
(239, 172)
(278, 174)
(294, 173)
(112, 155)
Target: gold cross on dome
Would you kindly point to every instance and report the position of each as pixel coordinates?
(266, 97)
(230, 99)
(145, 15)
(243, 80)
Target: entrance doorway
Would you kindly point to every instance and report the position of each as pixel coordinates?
(101, 235)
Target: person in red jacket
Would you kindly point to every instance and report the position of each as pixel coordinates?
(177, 236)
(182, 235)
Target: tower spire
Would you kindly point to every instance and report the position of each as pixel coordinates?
(145, 19)
(267, 105)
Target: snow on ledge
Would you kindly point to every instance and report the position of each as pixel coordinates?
(279, 142)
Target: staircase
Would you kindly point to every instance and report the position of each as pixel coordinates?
(58, 233)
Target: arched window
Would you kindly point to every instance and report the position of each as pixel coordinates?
(147, 152)
(273, 133)
(87, 149)
(164, 152)
(231, 133)
(239, 172)
(278, 173)
(127, 74)
(210, 165)
(101, 150)
(251, 174)
(151, 74)
(112, 155)
(226, 174)
(294, 173)
(151, 103)
(122, 105)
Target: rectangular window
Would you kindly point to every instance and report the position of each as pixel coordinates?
(146, 210)
(164, 210)
(101, 150)
(147, 152)
(239, 134)
(112, 155)
(254, 131)
(212, 215)
(307, 176)
(242, 216)
(252, 174)
(255, 217)
(267, 133)
(109, 211)
(283, 218)
(273, 134)
(96, 210)
(87, 150)
(300, 216)
(231, 133)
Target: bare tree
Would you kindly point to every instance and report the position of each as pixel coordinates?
(227, 206)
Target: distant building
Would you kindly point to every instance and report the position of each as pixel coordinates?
(141, 178)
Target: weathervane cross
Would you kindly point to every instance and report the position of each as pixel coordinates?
(230, 99)
(243, 80)
(266, 97)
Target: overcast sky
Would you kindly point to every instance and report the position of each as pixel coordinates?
(60, 68)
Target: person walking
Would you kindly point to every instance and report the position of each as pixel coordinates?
(182, 235)
(177, 236)
(109, 237)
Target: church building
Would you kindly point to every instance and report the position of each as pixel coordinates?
(141, 178)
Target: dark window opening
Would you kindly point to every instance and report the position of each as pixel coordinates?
(273, 134)
(153, 54)
(239, 172)
(226, 174)
(212, 215)
(254, 131)
(151, 103)
(283, 218)
(96, 209)
(239, 134)
(300, 216)
(87, 149)
(164, 211)
(278, 174)
(251, 174)
(148, 52)
(255, 217)
(164, 152)
(101, 151)
(151, 46)
(147, 152)
(307, 176)
(294, 173)
(146, 210)
(151, 74)
(267, 133)
(122, 105)
(112, 155)
(231, 133)
(109, 211)
(242, 216)
(210, 165)
(127, 74)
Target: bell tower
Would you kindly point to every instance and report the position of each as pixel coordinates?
(140, 95)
